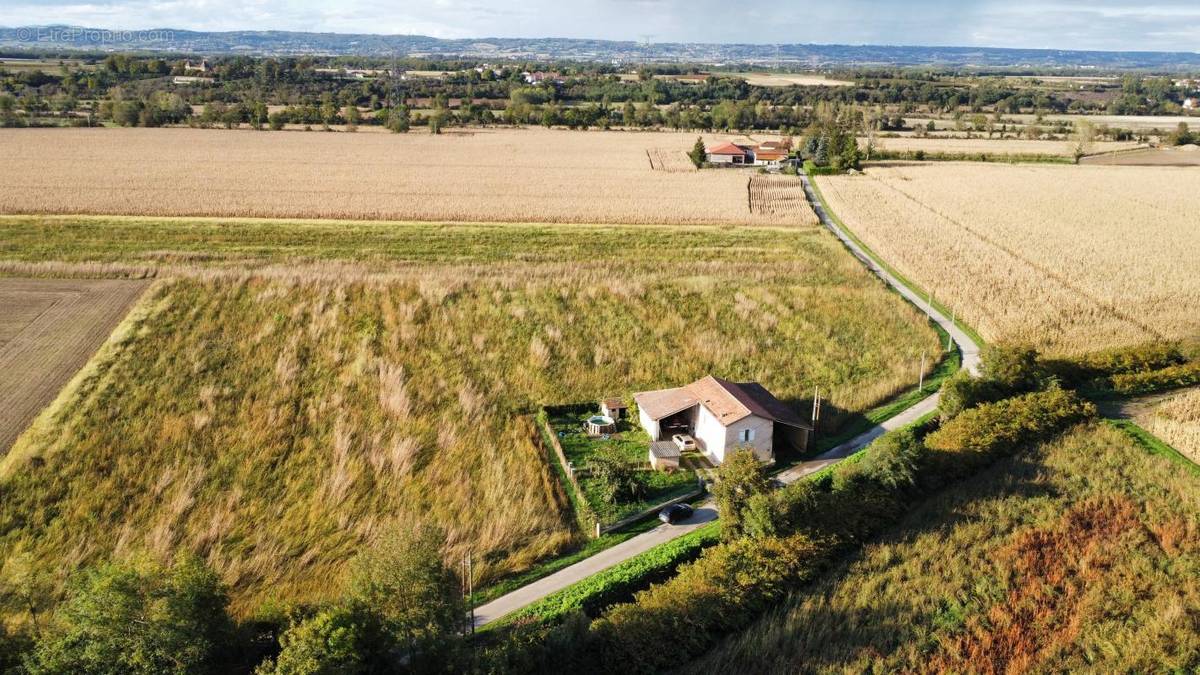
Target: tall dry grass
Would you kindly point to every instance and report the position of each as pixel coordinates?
(493, 175)
(274, 414)
(1078, 555)
(1071, 259)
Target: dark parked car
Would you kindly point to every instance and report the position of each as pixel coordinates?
(675, 513)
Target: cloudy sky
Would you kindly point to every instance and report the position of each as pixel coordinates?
(1152, 25)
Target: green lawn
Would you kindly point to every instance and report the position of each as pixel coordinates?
(633, 444)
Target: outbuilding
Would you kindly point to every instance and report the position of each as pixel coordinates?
(664, 455)
(614, 408)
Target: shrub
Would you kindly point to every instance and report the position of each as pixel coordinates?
(404, 582)
(722, 591)
(123, 618)
(1182, 375)
(1096, 368)
(617, 480)
(1000, 427)
(335, 641)
(1006, 370)
(740, 478)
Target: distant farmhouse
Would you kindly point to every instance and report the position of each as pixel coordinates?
(199, 67)
(768, 153)
(722, 416)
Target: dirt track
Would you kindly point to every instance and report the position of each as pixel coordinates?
(49, 328)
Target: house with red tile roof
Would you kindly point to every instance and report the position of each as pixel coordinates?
(723, 416)
(730, 153)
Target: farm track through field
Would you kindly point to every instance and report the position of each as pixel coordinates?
(49, 328)
(1044, 271)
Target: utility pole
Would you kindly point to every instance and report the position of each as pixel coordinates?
(921, 373)
(816, 411)
(468, 589)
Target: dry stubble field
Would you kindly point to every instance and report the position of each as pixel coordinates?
(48, 329)
(485, 175)
(1069, 258)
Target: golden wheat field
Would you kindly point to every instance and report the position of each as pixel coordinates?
(1177, 422)
(1069, 258)
(976, 146)
(484, 175)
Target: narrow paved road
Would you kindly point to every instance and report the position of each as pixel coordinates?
(967, 346)
(707, 512)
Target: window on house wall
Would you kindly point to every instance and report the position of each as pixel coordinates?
(746, 435)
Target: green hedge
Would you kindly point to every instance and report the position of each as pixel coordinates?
(994, 428)
(814, 170)
(1172, 377)
(1097, 369)
(617, 583)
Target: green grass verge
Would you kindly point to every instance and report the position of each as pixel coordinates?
(891, 270)
(1152, 444)
(547, 567)
(617, 583)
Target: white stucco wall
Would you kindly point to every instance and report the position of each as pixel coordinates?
(648, 424)
(762, 443)
(710, 433)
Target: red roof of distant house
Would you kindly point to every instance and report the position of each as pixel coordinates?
(726, 149)
(770, 154)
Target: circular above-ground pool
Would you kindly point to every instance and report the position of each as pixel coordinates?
(600, 424)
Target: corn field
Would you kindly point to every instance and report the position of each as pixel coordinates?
(780, 197)
(1068, 258)
(1177, 422)
(490, 175)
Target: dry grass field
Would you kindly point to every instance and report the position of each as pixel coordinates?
(296, 388)
(1069, 258)
(490, 175)
(975, 146)
(1081, 555)
(1176, 420)
(48, 330)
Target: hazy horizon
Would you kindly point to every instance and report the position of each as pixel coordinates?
(1100, 25)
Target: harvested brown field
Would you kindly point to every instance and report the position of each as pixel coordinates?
(1069, 258)
(997, 147)
(1176, 420)
(489, 175)
(48, 330)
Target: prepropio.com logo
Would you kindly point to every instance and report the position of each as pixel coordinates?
(90, 35)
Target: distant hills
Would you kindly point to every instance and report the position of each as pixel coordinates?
(284, 43)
